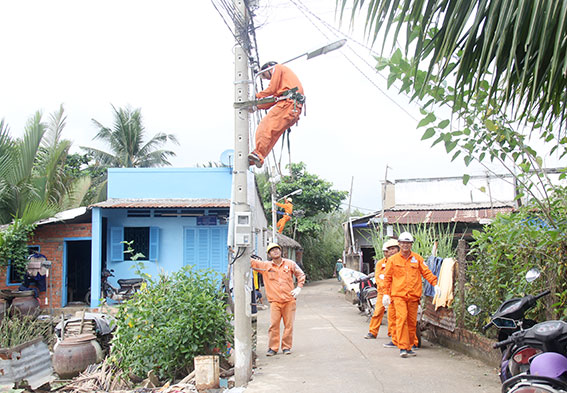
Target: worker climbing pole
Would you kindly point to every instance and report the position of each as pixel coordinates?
(284, 95)
(288, 210)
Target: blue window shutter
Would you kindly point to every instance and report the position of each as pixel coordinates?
(116, 245)
(216, 249)
(154, 244)
(203, 249)
(190, 248)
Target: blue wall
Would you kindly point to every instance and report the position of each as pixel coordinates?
(169, 183)
(171, 253)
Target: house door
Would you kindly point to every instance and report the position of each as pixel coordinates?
(205, 248)
(78, 270)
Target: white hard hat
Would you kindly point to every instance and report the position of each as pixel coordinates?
(289, 199)
(405, 237)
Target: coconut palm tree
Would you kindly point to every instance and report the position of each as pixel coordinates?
(33, 182)
(127, 145)
(520, 44)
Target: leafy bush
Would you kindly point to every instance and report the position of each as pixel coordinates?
(170, 321)
(323, 248)
(510, 246)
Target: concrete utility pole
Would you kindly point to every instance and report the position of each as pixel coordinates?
(242, 297)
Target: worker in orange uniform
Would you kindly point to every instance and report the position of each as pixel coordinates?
(288, 209)
(278, 280)
(389, 248)
(402, 287)
(288, 96)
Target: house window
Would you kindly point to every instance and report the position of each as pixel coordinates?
(140, 238)
(14, 276)
(144, 240)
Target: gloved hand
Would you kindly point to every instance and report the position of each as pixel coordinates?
(437, 290)
(295, 292)
(386, 300)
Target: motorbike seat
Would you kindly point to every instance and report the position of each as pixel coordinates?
(129, 282)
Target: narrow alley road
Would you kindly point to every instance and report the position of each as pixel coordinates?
(331, 355)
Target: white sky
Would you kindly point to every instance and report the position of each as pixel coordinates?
(174, 60)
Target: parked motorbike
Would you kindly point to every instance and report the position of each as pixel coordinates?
(128, 287)
(367, 294)
(510, 318)
(547, 371)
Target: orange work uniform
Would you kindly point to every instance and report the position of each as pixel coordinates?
(283, 115)
(288, 208)
(379, 309)
(278, 281)
(402, 282)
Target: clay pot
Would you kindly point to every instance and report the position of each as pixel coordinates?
(24, 303)
(74, 354)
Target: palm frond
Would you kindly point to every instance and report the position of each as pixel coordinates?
(520, 44)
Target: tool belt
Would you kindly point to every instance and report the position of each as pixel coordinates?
(291, 94)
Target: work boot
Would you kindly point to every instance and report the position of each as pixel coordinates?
(403, 353)
(287, 351)
(370, 336)
(271, 352)
(255, 159)
(390, 345)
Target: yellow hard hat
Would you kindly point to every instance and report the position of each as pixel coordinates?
(391, 243)
(273, 245)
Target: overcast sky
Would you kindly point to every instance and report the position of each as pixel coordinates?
(174, 60)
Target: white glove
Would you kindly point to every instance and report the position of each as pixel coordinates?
(295, 292)
(386, 300)
(437, 290)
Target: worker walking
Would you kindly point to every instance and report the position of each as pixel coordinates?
(278, 280)
(287, 105)
(389, 248)
(288, 209)
(402, 287)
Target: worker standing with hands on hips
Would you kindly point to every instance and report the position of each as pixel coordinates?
(402, 287)
(389, 248)
(278, 280)
(288, 209)
(288, 93)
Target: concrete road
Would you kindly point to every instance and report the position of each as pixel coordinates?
(331, 355)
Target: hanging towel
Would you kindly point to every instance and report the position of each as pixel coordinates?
(434, 264)
(445, 282)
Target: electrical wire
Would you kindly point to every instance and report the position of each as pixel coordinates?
(306, 12)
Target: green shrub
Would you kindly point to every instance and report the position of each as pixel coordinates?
(170, 321)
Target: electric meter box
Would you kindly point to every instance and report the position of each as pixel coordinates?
(243, 229)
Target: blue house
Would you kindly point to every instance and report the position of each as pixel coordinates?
(173, 216)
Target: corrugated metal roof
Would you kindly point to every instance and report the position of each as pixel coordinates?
(162, 203)
(444, 216)
(30, 361)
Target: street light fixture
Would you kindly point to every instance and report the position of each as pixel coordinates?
(317, 52)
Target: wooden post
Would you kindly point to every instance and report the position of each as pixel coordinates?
(462, 260)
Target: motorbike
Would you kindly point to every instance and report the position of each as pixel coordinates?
(367, 294)
(510, 318)
(128, 287)
(547, 371)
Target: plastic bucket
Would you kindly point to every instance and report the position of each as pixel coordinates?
(207, 372)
